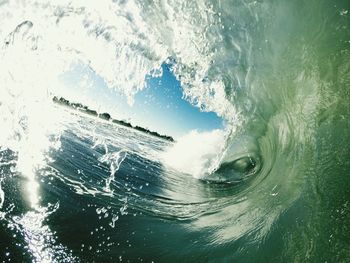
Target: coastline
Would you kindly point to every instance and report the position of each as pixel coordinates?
(106, 116)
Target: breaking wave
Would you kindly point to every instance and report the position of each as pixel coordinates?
(278, 73)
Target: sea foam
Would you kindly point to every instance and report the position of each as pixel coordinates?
(196, 153)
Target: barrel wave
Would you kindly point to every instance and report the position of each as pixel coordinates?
(273, 186)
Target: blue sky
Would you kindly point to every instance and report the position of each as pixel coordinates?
(159, 107)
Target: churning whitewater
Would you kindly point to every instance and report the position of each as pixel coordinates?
(273, 186)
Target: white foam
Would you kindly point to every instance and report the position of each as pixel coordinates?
(196, 153)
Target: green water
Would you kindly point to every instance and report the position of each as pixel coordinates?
(277, 71)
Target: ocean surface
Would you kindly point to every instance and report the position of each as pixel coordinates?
(98, 198)
(272, 186)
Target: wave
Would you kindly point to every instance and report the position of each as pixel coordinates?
(277, 73)
(196, 153)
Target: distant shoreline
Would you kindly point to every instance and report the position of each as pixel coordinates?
(106, 116)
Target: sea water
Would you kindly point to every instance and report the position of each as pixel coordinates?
(273, 186)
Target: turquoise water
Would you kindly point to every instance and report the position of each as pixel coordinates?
(272, 187)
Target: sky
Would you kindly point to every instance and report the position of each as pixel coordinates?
(159, 107)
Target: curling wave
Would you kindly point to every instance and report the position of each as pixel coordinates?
(273, 185)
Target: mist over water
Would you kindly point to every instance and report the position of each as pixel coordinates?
(272, 187)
